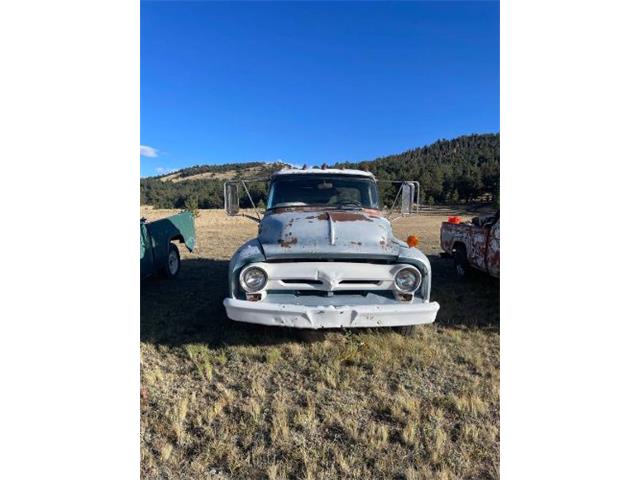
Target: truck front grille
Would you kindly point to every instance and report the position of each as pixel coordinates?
(301, 281)
(347, 281)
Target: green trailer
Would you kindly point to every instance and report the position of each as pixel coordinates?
(158, 251)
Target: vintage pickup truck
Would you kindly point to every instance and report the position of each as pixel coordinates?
(158, 253)
(325, 257)
(473, 245)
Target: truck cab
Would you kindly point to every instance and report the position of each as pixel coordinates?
(326, 257)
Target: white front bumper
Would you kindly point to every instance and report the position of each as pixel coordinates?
(356, 316)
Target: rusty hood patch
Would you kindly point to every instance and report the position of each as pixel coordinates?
(330, 234)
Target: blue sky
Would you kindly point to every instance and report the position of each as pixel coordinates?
(312, 82)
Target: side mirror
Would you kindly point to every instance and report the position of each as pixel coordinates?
(407, 194)
(231, 198)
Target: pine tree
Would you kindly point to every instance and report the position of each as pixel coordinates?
(191, 205)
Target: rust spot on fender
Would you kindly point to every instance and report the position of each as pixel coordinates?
(288, 243)
(385, 243)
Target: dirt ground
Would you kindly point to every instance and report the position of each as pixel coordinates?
(222, 400)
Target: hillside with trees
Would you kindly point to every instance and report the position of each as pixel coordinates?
(454, 171)
(462, 170)
(202, 185)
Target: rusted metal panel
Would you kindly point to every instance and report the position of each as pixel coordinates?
(335, 234)
(493, 251)
(482, 244)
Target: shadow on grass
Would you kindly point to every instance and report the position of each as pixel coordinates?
(189, 309)
(472, 302)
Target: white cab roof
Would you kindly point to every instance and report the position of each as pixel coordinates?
(326, 171)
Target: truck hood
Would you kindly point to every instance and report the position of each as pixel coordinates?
(327, 234)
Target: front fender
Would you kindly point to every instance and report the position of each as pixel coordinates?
(250, 252)
(419, 260)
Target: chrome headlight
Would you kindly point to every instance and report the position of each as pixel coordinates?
(407, 279)
(253, 279)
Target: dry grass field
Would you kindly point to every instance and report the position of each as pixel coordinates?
(222, 400)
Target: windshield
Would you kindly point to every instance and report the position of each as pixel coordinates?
(323, 191)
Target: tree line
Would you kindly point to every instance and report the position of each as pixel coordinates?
(162, 192)
(462, 170)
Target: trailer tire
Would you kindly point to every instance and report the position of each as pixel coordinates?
(172, 265)
(461, 263)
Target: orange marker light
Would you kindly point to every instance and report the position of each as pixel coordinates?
(412, 241)
(455, 220)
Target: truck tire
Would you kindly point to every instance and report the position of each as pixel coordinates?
(172, 264)
(406, 330)
(461, 263)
